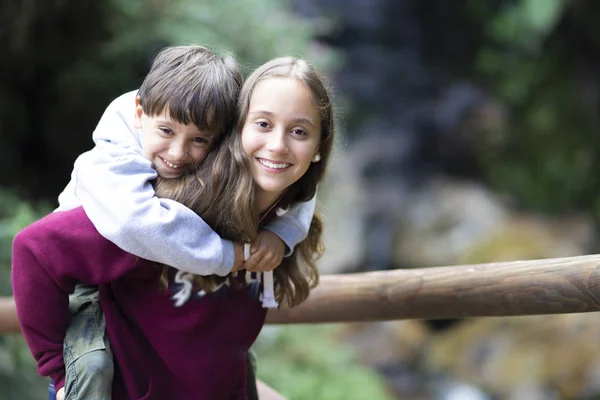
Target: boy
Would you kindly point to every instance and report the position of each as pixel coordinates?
(187, 99)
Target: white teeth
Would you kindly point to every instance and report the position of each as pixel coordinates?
(270, 164)
(170, 164)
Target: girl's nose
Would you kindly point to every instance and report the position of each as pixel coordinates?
(277, 142)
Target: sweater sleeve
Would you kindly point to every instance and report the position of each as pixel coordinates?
(48, 258)
(292, 227)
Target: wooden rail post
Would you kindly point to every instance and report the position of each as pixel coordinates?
(8, 316)
(549, 286)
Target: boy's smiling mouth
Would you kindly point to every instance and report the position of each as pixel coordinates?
(170, 164)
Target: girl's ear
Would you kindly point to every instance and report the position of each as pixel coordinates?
(139, 112)
(317, 157)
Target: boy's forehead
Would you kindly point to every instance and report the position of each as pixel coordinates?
(166, 117)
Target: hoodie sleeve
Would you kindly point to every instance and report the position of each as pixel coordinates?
(48, 258)
(113, 184)
(292, 227)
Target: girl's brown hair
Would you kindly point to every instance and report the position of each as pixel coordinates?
(222, 190)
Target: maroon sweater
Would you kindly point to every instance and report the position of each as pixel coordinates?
(167, 344)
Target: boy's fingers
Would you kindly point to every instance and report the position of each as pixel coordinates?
(256, 244)
(253, 262)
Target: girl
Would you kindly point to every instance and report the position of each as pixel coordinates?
(189, 341)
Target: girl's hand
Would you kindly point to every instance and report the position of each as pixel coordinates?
(266, 252)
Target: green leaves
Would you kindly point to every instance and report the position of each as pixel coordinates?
(526, 23)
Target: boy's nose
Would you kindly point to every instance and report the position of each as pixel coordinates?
(177, 152)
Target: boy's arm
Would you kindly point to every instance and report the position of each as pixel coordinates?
(292, 227)
(48, 258)
(112, 182)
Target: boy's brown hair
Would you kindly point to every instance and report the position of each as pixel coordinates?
(194, 85)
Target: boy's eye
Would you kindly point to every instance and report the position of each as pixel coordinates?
(201, 140)
(166, 131)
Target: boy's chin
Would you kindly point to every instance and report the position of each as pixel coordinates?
(169, 175)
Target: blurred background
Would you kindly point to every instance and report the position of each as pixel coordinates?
(469, 133)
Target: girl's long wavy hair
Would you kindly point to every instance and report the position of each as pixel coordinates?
(222, 190)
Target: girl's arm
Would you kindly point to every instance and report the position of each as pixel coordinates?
(48, 258)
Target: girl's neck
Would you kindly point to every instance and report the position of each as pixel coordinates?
(267, 200)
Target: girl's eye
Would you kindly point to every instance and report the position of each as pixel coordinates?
(299, 132)
(263, 124)
(201, 140)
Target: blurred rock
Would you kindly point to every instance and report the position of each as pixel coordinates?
(394, 349)
(440, 222)
(535, 357)
(342, 204)
(523, 237)
(451, 222)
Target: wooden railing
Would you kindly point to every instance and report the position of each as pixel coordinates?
(549, 286)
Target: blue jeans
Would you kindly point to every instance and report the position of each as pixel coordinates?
(51, 391)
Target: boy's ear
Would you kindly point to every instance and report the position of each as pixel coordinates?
(137, 118)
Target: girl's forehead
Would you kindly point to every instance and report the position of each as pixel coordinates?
(284, 96)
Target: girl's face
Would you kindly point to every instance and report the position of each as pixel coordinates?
(171, 146)
(281, 135)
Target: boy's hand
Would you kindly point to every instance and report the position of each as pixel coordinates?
(60, 395)
(266, 252)
(238, 251)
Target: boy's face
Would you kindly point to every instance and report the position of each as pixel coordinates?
(171, 146)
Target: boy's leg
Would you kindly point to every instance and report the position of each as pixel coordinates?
(88, 357)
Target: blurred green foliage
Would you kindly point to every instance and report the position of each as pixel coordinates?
(18, 379)
(306, 363)
(535, 60)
